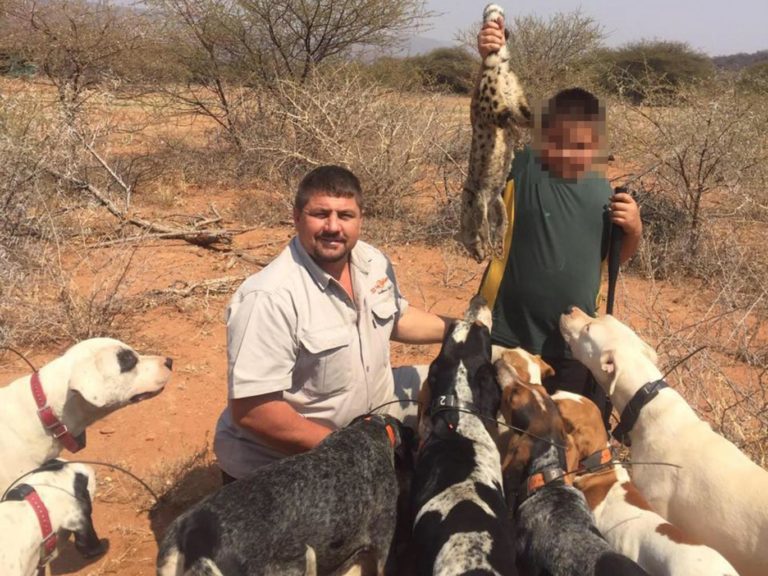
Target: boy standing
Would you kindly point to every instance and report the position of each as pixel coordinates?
(556, 202)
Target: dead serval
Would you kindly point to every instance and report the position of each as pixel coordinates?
(498, 108)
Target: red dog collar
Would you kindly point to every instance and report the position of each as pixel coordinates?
(539, 480)
(596, 459)
(27, 493)
(50, 422)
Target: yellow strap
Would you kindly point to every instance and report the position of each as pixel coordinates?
(489, 287)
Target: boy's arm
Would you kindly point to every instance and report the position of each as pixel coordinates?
(626, 214)
(491, 38)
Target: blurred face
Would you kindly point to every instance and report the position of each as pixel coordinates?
(328, 228)
(570, 148)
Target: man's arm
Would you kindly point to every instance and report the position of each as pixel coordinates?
(276, 423)
(626, 214)
(419, 327)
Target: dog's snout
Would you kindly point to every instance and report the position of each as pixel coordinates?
(168, 363)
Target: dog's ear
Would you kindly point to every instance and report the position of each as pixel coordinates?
(490, 391)
(85, 380)
(505, 374)
(546, 369)
(571, 454)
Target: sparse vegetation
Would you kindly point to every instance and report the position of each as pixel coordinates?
(126, 139)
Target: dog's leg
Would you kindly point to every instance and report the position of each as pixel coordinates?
(311, 560)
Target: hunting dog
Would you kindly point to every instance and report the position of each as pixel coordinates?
(52, 501)
(460, 515)
(49, 410)
(325, 511)
(621, 513)
(556, 535)
(713, 491)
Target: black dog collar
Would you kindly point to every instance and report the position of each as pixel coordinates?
(631, 411)
(450, 402)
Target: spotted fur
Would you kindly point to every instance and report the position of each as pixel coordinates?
(324, 512)
(460, 524)
(498, 108)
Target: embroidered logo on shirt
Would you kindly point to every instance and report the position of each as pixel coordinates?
(381, 285)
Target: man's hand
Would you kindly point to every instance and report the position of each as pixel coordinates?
(625, 213)
(491, 37)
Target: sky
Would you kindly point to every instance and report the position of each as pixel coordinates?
(716, 27)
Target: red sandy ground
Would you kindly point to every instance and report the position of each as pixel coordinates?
(156, 437)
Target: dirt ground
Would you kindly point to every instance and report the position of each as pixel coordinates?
(166, 440)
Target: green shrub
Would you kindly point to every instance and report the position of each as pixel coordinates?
(636, 69)
(452, 69)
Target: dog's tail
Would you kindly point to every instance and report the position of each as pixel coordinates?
(311, 557)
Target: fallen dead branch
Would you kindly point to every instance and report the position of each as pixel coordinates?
(185, 289)
(195, 235)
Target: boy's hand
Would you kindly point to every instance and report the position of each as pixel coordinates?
(491, 37)
(626, 214)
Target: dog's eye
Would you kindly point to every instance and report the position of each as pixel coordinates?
(127, 360)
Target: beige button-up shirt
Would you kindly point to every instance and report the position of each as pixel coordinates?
(293, 328)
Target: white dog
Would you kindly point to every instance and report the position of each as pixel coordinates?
(92, 379)
(716, 494)
(62, 496)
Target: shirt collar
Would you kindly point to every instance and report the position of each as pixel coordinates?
(360, 260)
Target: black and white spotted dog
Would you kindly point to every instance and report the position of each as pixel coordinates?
(556, 533)
(322, 512)
(460, 514)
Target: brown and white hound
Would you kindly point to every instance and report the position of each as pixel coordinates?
(556, 534)
(621, 513)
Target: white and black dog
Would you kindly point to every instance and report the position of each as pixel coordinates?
(461, 522)
(49, 410)
(48, 503)
(326, 511)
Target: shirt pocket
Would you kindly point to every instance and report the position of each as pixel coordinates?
(324, 364)
(384, 311)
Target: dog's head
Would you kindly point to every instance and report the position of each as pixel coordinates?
(67, 491)
(401, 438)
(609, 349)
(108, 374)
(528, 407)
(583, 424)
(461, 372)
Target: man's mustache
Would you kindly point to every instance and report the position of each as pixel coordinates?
(335, 238)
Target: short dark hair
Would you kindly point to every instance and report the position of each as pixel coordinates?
(329, 180)
(572, 104)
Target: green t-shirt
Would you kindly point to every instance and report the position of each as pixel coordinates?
(555, 258)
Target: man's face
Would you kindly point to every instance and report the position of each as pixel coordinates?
(328, 227)
(570, 148)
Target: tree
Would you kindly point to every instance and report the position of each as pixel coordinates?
(548, 54)
(448, 68)
(76, 44)
(635, 69)
(226, 48)
(755, 78)
(700, 144)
